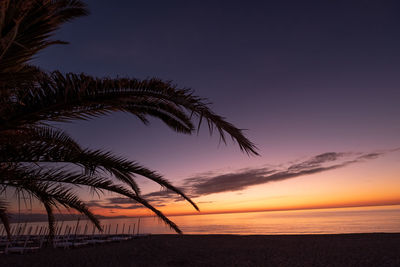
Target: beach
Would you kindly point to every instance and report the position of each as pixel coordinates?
(378, 249)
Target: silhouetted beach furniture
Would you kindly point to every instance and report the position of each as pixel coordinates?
(24, 243)
(27, 238)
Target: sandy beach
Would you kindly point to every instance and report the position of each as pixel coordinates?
(226, 250)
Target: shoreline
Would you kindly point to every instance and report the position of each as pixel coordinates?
(367, 249)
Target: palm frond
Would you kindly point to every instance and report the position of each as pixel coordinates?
(30, 98)
(121, 167)
(105, 184)
(50, 194)
(25, 28)
(37, 151)
(31, 135)
(59, 97)
(50, 216)
(92, 160)
(4, 218)
(47, 186)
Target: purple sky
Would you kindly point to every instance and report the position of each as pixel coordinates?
(305, 77)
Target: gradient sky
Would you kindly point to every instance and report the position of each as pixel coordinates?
(304, 77)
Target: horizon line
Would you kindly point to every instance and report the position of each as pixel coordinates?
(277, 209)
(101, 217)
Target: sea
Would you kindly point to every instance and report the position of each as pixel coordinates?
(383, 219)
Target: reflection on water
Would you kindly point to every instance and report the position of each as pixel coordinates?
(361, 220)
(327, 221)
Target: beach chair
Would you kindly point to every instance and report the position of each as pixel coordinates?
(24, 248)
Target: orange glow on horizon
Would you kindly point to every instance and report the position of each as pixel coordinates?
(178, 212)
(374, 184)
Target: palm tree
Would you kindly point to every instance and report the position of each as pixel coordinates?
(32, 150)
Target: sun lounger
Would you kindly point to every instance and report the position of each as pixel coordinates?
(118, 238)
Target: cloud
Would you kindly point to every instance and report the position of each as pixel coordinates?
(226, 182)
(157, 194)
(119, 200)
(130, 207)
(205, 202)
(112, 203)
(212, 182)
(316, 161)
(242, 179)
(158, 197)
(93, 203)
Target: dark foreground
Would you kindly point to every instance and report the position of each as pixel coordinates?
(226, 250)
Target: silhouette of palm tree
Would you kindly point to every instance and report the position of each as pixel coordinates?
(31, 149)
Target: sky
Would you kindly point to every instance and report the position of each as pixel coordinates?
(314, 83)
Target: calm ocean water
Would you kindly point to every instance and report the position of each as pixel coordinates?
(324, 221)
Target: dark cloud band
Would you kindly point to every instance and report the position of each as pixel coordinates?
(206, 184)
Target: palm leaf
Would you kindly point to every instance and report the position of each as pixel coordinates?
(25, 29)
(31, 98)
(59, 97)
(4, 218)
(47, 186)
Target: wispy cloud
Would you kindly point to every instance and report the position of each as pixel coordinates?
(114, 203)
(241, 180)
(157, 198)
(209, 183)
(119, 200)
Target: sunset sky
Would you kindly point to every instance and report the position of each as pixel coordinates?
(316, 85)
